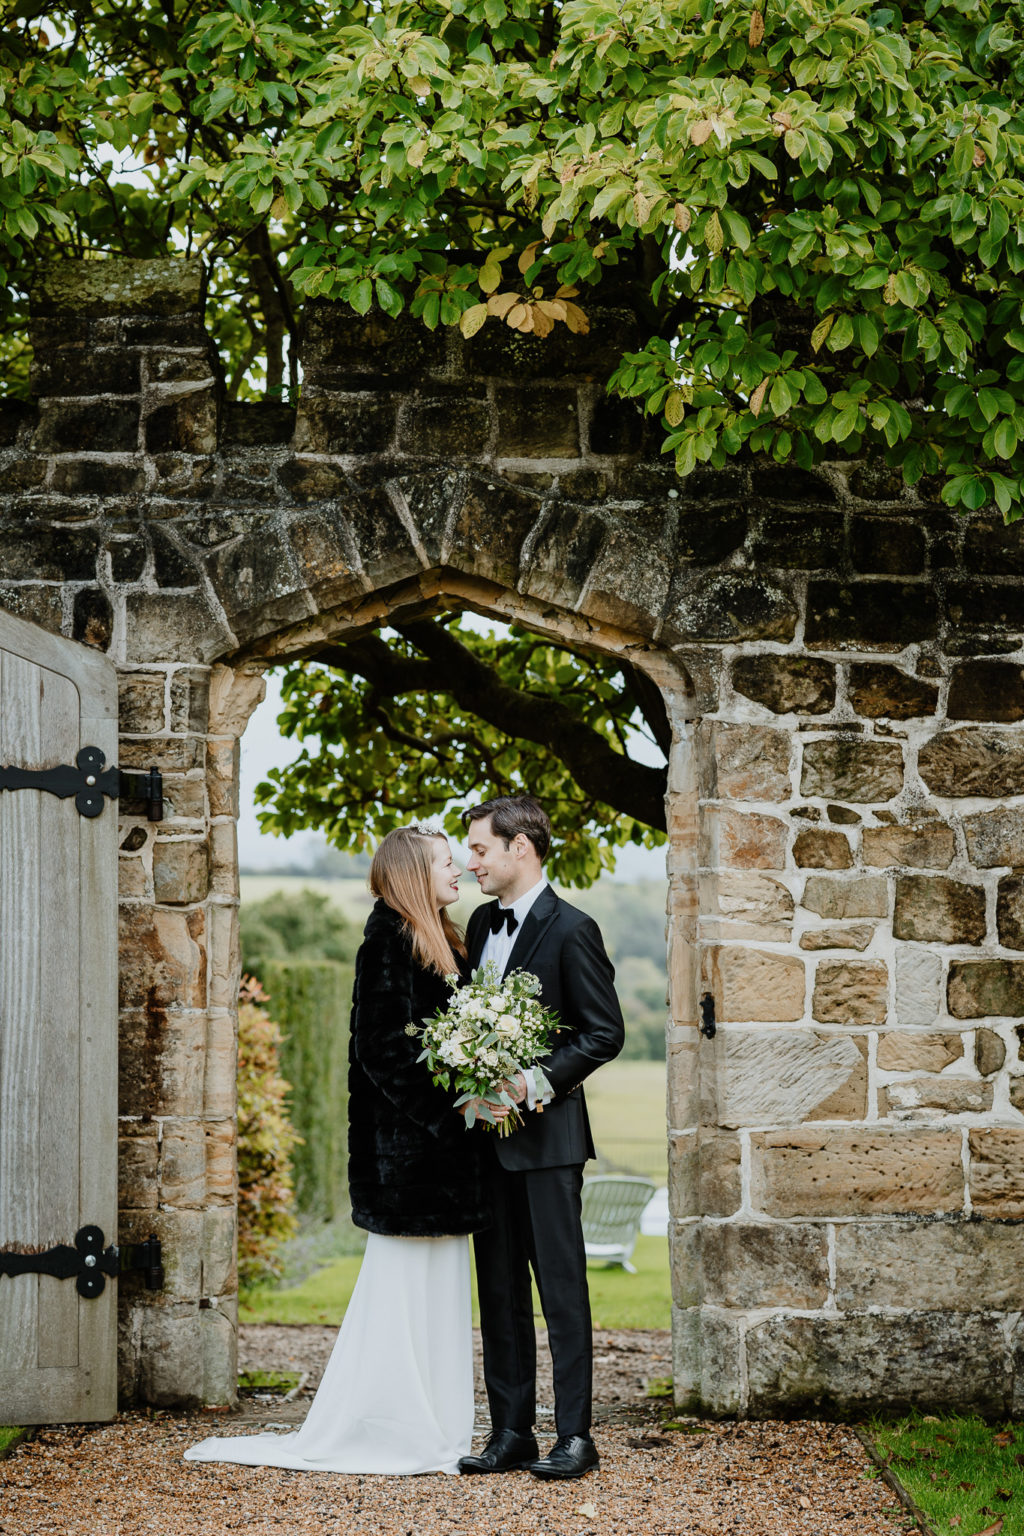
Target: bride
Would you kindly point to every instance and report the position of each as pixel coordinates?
(397, 1394)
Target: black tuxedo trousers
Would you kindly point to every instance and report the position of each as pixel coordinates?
(534, 1176)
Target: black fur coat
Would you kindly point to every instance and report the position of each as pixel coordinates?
(414, 1170)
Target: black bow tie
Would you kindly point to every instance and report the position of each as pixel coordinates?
(503, 917)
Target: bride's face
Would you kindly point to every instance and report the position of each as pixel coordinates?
(444, 874)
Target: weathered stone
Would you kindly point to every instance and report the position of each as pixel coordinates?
(363, 423)
(824, 1366)
(220, 1064)
(745, 762)
(996, 838)
(704, 1174)
(186, 423)
(984, 616)
(220, 1274)
(908, 1051)
(986, 690)
(932, 909)
(71, 426)
(97, 477)
(786, 684)
(119, 285)
(852, 936)
(92, 618)
(955, 1266)
(1017, 1093)
(184, 799)
(160, 1062)
(141, 701)
(973, 762)
(753, 899)
(851, 992)
(886, 546)
(224, 858)
(742, 840)
(182, 1165)
(784, 1077)
(758, 1264)
(706, 1361)
(997, 1171)
(1010, 912)
(616, 426)
(222, 760)
(866, 896)
(875, 615)
(132, 879)
(815, 849)
(918, 985)
(221, 1161)
(538, 422)
(951, 1095)
(309, 479)
(181, 871)
(168, 1352)
(925, 845)
(795, 540)
(989, 1052)
(137, 1159)
(190, 699)
(852, 769)
(163, 961)
(728, 605)
(704, 540)
(979, 988)
(753, 985)
(174, 626)
(841, 1171)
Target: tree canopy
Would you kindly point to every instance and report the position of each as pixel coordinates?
(516, 716)
(815, 204)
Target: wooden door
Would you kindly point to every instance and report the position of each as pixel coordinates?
(58, 1029)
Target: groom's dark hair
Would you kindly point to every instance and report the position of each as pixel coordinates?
(512, 814)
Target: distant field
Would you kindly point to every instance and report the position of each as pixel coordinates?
(626, 1102)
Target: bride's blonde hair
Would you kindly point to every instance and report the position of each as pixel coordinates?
(401, 874)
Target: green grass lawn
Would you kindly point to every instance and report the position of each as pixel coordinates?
(966, 1476)
(617, 1300)
(10, 1434)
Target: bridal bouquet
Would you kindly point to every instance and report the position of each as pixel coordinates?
(492, 1029)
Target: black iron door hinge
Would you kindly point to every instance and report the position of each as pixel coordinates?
(90, 1261)
(88, 779)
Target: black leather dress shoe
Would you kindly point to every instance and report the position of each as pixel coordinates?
(570, 1456)
(506, 1451)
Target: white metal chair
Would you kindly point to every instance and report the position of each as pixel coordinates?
(613, 1204)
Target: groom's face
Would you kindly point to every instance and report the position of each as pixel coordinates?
(496, 866)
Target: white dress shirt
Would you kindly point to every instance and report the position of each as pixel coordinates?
(497, 949)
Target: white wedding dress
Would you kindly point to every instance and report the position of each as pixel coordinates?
(397, 1395)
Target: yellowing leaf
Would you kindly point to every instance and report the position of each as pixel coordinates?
(566, 291)
(418, 153)
(553, 308)
(700, 131)
(642, 206)
(682, 218)
(756, 33)
(576, 320)
(543, 324)
(889, 291)
(529, 256)
(472, 319)
(490, 274)
(821, 331)
(279, 207)
(979, 157)
(500, 303)
(757, 398)
(713, 234)
(675, 408)
(515, 315)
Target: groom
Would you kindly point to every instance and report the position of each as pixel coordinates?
(535, 1175)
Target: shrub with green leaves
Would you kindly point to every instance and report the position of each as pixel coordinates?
(267, 1141)
(303, 925)
(313, 1000)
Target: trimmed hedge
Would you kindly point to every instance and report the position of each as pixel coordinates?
(312, 1001)
(266, 1141)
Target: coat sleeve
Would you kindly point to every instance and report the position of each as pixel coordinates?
(591, 1009)
(383, 1007)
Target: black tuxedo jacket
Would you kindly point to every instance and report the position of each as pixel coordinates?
(563, 948)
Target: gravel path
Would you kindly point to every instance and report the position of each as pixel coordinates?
(129, 1479)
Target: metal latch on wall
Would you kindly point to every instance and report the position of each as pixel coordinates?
(708, 1026)
(89, 779)
(90, 1262)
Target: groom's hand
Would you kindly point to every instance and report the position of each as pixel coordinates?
(516, 1088)
(499, 1111)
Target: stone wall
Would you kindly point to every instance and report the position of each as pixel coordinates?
(842, 663)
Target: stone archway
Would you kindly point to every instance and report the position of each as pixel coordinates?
(846, 819)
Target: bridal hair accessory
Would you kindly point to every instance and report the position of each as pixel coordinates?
(427, 828)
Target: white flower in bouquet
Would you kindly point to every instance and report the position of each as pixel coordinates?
(492, 1030)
